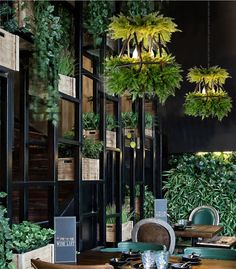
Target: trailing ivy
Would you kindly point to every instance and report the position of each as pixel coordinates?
(7, 19)
(97, 19)
(159, 78)
(195, 180)
(46, 54)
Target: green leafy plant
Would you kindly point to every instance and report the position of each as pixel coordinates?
(28, 236)
(139, 7)
(144, 27)
(209, 99)
(6, 245)
(91, 121)
(209, 179)
(91, 149)
(148, 120)
(129, 119)
(7, 20)
(160, 77)
(148, 205)
(97, 19)
(111, 122)
(66, 64)
(111, 210)
(46, 55)
(66, 150)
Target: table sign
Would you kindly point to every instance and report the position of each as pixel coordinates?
(160, 209)
(65, 239)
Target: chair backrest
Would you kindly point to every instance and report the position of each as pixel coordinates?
(154, 230)
(205, 215)
(139, 246)
(38, 264)
(111, 250)
(213, 253)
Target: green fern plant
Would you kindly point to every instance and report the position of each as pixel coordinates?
(148, 120)
(129, 119)
(111, 122)
(91, 149)
(90, 121)
(209, 99)
(159, 78)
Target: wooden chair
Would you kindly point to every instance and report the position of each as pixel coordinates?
(154, 230)
(38, 264)
(213, 253)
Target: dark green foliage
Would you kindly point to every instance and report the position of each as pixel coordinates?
(7, 20)
(90, 121)
(111, 122)
(148, 205)
(66, 150)
(47, 48)
(28, 236)
(148, 120)
(129, 120)
(5, 238)
(160, 79)
(196, 180)
(139, 7)
(97, 19)
(213, 104)
(66, 64)
(91, 149)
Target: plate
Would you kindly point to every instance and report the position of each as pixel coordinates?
(178, 266)
(117, 262)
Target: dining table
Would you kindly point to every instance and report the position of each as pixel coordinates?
(97, 257)
(196, 231)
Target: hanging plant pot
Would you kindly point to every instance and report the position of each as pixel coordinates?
(158, 76)
(209, 98)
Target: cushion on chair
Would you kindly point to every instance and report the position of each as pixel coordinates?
(38, 264)
(147, 232)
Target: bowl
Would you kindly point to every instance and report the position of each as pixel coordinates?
(179, 227)
(178, 266)
(130, 254)
(117, 262)
(192, 258)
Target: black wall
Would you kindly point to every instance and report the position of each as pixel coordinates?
(189, 134)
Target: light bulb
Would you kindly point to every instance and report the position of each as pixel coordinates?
(135, 53)
(203, 90)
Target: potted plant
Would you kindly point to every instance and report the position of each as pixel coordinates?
(127, 224)
(6, 246)
(91, 125)
(66, 72)
(130, 124)
(66, 159)
(9, 43)
(148, 124)
(111, 125)
(30, 241)
(91, 150)
(209, 98)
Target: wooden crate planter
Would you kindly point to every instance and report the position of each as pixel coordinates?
(148, 133)
(90, 169)
(111, 139)
(67, 85)
(66, 169)
(91, 134)
(132, 132)
(126, 231)
(9, 48)
(23, 261)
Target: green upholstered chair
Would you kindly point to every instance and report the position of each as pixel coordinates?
(213, 253)
(111, 250)
(205, 215)
(139, 246)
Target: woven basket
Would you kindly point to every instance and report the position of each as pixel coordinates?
(67, 85)
(9, 48)
(126, 231)
(111, 139)
(66, 169)
(90, 169)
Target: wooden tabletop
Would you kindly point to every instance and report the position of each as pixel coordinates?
(97, 257)
(203, 231)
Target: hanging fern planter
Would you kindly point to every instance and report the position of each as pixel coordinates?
(209, 98)
(150, 71)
